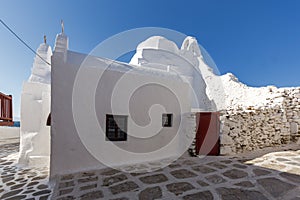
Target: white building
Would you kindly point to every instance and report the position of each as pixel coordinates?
(106, 112)
(35, 108)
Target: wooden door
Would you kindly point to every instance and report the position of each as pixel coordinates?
(207, 134)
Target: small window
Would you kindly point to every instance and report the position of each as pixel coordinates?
(116, 127)
(167, 120)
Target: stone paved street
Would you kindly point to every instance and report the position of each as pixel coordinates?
(271, 176)
(20, 183)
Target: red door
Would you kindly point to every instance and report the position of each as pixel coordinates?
(207, 135)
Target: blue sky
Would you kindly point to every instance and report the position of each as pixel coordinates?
(258, 40)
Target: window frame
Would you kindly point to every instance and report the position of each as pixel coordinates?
(169, 118)
(117, 130)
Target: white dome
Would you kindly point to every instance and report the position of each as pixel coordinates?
(158, 42)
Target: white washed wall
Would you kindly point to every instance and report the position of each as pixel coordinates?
(35, 135)
(71, 151)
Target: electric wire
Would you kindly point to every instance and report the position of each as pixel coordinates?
(20, 39)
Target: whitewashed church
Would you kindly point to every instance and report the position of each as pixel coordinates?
(109, 113)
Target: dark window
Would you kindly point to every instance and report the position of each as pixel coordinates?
(48, 123)
(116, 127)
(167, 120)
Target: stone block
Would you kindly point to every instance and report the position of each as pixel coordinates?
(294, 128)
(225, 139)
(225, 150)
(225, 129)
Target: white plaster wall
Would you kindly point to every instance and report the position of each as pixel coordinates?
(35, 108)
(69, 151)
(41, 71)
(35, 135)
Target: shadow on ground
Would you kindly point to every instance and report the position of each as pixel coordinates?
(271, 176)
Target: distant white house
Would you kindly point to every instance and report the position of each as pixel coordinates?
(106, 112)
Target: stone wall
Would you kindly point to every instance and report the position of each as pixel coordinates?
(291, 105)
(251, 128)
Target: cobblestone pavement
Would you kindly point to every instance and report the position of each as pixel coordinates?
(271, 176)
(21, 183)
